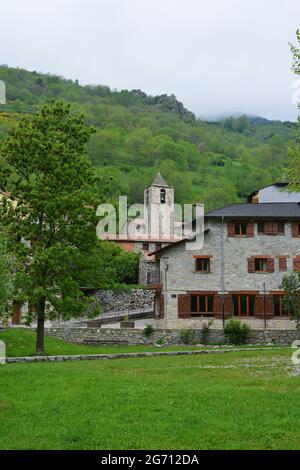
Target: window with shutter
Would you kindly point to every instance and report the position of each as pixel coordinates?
(282, 264)
(271, 228)
(296, 264)
(230, 229)
(250, 230)
(295, 229)
(270, 265)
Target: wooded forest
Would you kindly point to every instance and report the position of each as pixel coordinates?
(215, 163)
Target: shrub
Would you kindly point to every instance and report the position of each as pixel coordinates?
(160, 342)
(187, 336)
(236, 332)
(205, 332)
(148, 330)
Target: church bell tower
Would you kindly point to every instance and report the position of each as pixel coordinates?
(159, 204)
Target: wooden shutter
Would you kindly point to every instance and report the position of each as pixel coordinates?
(283, 264)
(251, 265)
(161, 306)
(250, 230)
(218, 306)
(259, 306)
(296, 264)
(231, 229)
(228, 306)
(268, 228)
(270, 265)
(295, 230)
(184, 306)
(269, 306)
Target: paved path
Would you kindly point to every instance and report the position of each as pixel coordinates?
(83, 357)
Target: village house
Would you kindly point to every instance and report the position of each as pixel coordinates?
(248, 248)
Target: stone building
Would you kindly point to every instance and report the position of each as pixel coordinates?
(154, 231)
(248, 248)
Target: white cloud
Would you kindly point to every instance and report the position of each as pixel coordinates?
(217, 56)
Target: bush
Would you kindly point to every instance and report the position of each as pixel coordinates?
(236, 332)
(205, 332)
(148, 330)
(187, 336)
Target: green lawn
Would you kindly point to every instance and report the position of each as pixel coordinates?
(242, 400)
(20, 342)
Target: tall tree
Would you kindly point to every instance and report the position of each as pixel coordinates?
(55, 209)
(292, 172)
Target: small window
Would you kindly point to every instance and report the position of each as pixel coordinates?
(240, 229)
(146, 246)
(163, 196)
(203, 265)
(261, 265)
(202, 304)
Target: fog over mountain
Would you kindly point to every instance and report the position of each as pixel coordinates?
(217, 57)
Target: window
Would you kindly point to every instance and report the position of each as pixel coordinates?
(202, 304)
(240, 229)
(203, 265)
(145, 246)
(261, 265)
(163, 196)
(271, 228)
(295, 229)
(243, 305)
(158, 246)
(279, 309)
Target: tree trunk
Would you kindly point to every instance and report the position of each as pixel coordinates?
(40, 348)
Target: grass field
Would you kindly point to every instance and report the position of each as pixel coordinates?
(20, 342)
(243, 400)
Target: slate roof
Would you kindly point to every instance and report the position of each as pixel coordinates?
(273, 210)
(160, 181)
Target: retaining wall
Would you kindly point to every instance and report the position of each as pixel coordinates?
(135, 337)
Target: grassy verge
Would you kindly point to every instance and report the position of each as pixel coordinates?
(20, 342)
(245, 400)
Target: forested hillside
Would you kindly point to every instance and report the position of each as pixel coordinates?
(137, 135)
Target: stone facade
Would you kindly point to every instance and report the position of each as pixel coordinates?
(119, 301)
(106, 336)
(182, 278)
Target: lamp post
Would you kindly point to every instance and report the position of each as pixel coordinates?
(265, 311)
(166, 266)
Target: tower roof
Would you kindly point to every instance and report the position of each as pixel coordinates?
(160, 182)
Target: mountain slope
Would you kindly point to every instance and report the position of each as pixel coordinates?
(137, 135)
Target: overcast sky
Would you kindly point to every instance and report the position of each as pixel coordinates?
(217, 56)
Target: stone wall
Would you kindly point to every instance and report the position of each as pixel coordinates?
(107, 336)
(119, 301)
